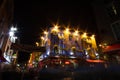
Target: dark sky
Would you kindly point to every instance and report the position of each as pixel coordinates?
(31, 16)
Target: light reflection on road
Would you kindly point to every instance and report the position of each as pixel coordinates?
(68, 78)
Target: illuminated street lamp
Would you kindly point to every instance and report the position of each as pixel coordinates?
(37, 44)
(45, 32)
(66, 33)
(93, 37)
(13, 29)
(76, 34)
(45, 35)
(12, 34)
(84, 35)
(55, 29)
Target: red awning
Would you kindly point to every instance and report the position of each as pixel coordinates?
(114, 47)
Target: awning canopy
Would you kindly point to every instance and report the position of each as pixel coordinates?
(114, 47)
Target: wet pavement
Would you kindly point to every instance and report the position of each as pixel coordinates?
(97, 72)
(61, 76)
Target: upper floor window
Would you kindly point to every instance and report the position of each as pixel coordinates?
(112, 11)
(116, 30)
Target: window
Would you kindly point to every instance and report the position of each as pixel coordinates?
(114, 10)
(111, 11)
(116, 30)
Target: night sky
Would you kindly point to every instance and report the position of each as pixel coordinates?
(33, 16)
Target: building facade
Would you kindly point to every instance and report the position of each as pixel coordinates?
(69, 42)
(6, 17)
(107, 15)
